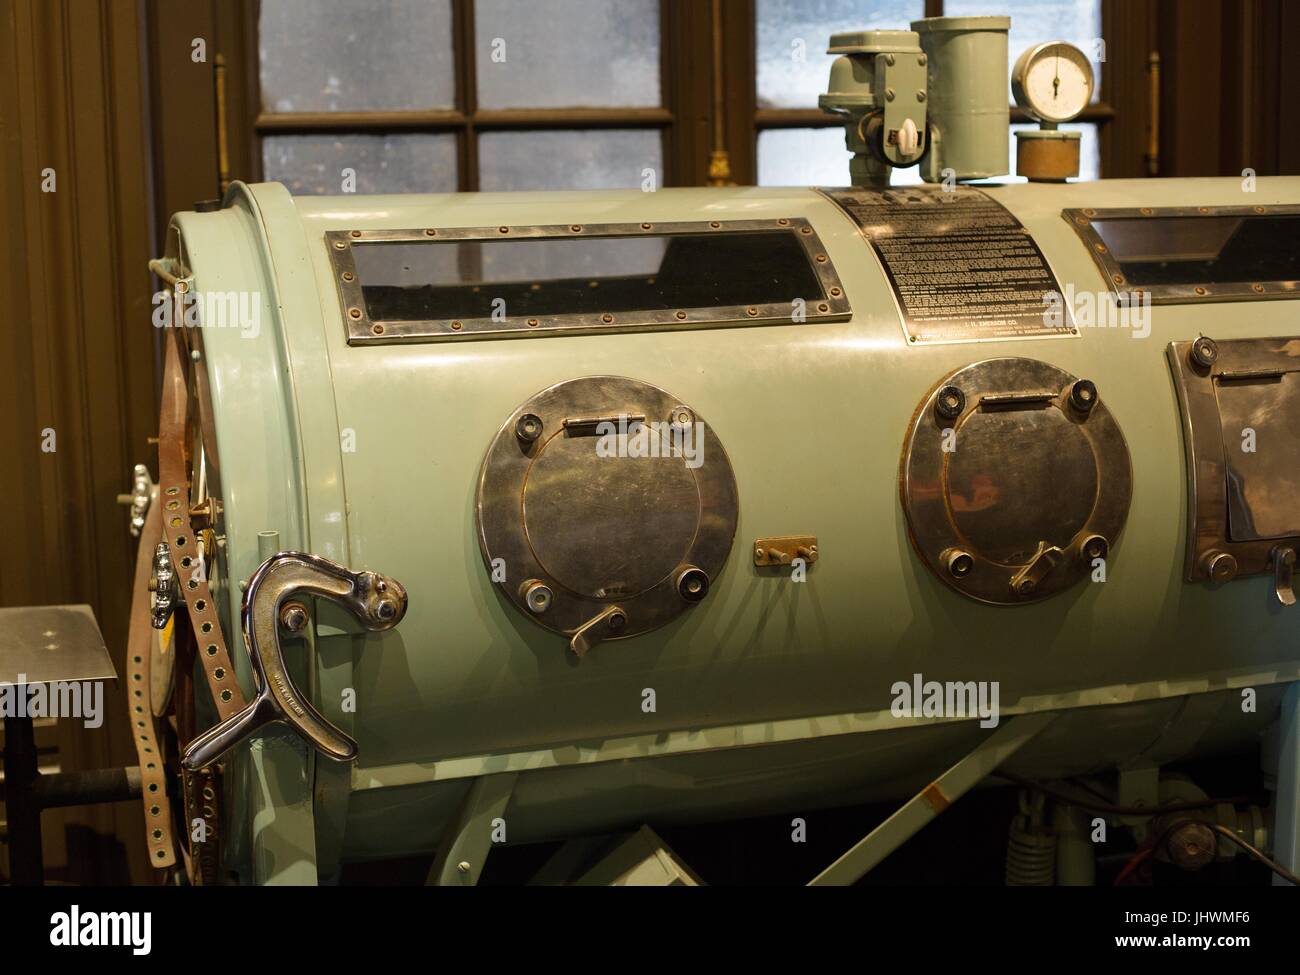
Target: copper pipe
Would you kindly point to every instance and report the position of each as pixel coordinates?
(1153, 126)
(223, 144)
(719, 161)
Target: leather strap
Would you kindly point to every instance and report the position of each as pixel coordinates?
(144, 726)
(202, 802)
(174, 500)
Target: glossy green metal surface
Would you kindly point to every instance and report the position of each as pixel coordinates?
(813, 418)
(967, 86)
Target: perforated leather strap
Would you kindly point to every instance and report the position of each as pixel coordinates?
(174, 500)
(202, 802)
(144, 726)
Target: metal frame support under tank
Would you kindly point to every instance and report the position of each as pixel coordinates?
(465, 844)
(1286, 825)
(927, 804)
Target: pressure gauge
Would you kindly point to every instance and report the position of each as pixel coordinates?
(1052, 81)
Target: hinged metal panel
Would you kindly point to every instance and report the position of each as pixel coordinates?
(1240, 405)
(606, 507)
(1015, 480)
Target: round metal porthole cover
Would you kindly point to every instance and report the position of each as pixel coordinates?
(1015, 479)
(605, 492)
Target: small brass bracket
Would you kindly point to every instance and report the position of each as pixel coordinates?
(784, 549)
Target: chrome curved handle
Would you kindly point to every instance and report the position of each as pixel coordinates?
(378, 603)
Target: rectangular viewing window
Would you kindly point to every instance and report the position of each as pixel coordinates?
(1194, 253)
(1204, 250)
(452, 283)
(1262, 485)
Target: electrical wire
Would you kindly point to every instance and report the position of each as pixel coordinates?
(1133, 863)
(1114, 809)
(1118, 810)
(1087, 786)
(1146, 852)
(1273, 865)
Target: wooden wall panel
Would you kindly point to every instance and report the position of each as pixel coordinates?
(76, 353)
(687, 77)
(184, 144)
(1228, 73)
(1129, 27)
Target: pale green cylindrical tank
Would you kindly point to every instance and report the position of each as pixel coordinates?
(768, 693)
(967, 96)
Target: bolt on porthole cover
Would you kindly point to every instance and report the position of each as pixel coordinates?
(1015, 480)
(604, 493)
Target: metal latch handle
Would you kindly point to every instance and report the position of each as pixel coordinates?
(604, 625)
(1046, 558)
(587, 424)
(1283, 559)
(378, 602)
(1012, 400)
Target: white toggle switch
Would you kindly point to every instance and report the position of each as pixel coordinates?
(908, 139)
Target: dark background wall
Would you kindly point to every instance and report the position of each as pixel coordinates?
(1230, 72)
(76, 357)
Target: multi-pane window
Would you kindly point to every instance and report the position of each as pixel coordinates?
(389, 96)
(792, 37)
(382, 96)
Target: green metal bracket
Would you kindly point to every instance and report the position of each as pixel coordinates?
(465, 846)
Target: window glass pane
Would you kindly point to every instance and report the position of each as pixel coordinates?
(355, 55)
(435, 280)
(811, 157)
(817, 157)
(1089, 151)
(567, 53)
(1035, 21)
(1200, 250)
(588, 159)
(802, 157)
(315, 164)
(793, 35)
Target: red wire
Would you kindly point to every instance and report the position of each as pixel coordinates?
(1133, 863)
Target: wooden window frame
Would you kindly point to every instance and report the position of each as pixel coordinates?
(745, 99)
(467, 121)
(185, 169)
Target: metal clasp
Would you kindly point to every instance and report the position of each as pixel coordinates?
(1025, 582)
(165, 590)
(610, 623)
(141, 496)
(378, 603)
(1282, 558)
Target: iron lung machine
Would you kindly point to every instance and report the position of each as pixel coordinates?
(580, 511)
(537, 516)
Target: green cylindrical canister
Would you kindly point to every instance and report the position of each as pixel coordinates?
(968, 96)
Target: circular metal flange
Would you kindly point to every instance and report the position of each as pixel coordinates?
(1011, 497)
(625, 498)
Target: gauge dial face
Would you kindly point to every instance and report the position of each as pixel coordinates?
(1053, 81)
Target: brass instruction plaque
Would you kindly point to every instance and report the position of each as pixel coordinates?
(961, 266)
